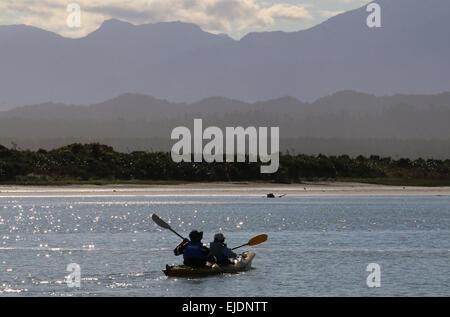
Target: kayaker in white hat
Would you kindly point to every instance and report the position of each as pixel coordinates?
(220, 251)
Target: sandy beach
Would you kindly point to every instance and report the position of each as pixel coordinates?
(221, 189)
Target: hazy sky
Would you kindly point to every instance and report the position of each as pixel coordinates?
(233, 17)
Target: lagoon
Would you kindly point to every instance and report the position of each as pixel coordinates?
(317, 246)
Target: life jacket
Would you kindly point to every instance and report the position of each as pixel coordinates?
(193, 250)
(217, 249)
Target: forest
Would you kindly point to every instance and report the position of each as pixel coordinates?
(95, 163)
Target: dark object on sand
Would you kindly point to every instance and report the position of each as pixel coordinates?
(271, 195)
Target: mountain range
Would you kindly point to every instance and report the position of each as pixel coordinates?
(346, 122)
(139, 107)
(177, 61)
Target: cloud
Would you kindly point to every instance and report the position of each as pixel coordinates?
(215, 16)
(288, 12)
(330, 14)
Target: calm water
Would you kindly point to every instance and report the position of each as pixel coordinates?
(317, 246)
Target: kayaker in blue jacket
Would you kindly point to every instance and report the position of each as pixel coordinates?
(220, 251)
(193, 250)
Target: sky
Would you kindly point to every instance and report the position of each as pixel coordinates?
(233, 17)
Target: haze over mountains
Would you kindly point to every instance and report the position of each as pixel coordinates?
(180, 62)
(350, 105)
(344, 123)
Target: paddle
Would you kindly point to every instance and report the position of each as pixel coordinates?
(254, 241)
(164, 225)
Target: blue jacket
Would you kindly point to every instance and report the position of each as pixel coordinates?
(192, 250)
(221, 252)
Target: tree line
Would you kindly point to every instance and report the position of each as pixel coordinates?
(91, 162)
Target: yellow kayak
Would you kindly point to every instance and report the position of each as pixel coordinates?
(243, 263)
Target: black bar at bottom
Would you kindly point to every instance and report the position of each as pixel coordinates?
(220, 306)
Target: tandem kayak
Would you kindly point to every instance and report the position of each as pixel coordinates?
(243, 263)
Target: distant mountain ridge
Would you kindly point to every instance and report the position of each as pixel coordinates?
(344, 115)
(181, 63)
(346, 122)
(141, 107)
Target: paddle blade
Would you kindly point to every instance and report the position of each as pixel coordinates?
(258, 239)
(160, 222)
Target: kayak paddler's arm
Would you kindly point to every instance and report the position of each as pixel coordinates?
(180, 248)
(228, 253)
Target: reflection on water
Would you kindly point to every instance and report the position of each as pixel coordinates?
(318, 246)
